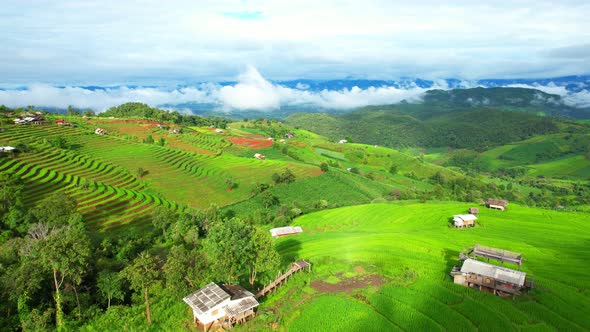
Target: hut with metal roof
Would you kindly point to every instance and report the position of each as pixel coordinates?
(224, 305)
(497, 204)
(489, 278)
(464, 220)
(285, 231)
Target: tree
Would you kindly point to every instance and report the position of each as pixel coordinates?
(149, 139)
(393, 169)
(184, 269)
(324, 167)
(141, 274)
(109, 284)
(65, 253)
(72, 111)
(268, 199)
(162, 217)
(59, 142)
(263, 256)
(57, 210)
(231, 184)
(227, 248)
(141, 172)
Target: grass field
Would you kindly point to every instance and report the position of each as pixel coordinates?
(413, 248)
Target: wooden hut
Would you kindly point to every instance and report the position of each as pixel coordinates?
(259, 156)
(500, 255)
(497, 204)
(100, 131)
(489, 278)
(473, 210)
(285, 231)
(224, 305)
(464, 220)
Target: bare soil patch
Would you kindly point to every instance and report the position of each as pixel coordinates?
(349, 285)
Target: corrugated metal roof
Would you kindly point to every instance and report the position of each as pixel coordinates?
(237, 307)
(465, 217)
(206, 298)
(497, 272)
(285, 230)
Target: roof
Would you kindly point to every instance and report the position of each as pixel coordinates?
(495, 201)
(238, 307)
(465, 217)
(493, 271)
(6, 148)
(206, 298)
(236, 291)
(285, 230)
(496, 253)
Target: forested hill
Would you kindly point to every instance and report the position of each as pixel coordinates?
(462, 118)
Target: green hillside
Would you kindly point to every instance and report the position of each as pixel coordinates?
(163, 204)
(412, 247)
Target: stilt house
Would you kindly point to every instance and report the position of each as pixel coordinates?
(497, 204)
(464, 220)
(222, 306)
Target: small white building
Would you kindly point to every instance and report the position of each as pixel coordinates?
(219, 131)
(285, 231)
(259, 156)
(464, 220)
(224, 305)
(6, 148)
(342, 141)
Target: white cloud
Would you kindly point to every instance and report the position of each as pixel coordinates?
(251, 92)
(118, 42)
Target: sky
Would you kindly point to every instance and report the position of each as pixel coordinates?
(168, 43)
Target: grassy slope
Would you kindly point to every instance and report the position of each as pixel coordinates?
(394, 238)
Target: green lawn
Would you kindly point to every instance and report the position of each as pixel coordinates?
(412, 245)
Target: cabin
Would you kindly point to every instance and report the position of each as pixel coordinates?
(289, 135)
(222, 306)
(174, 131)
(285, 231)
(496, 204)
(473, 210)
(60, 122)
(501, 255)
(100, 131)
(7, 149)
(283, 141)
(219, 131)
(464, 220)
(270, 139)
(485, 277)
(342, 141)
(259, 156)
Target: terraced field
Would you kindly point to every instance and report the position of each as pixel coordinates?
(100, 172)
(386, 267)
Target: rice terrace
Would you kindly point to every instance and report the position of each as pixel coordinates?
(275, 166)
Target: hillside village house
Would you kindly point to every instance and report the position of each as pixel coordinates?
(259, 156)
(496, 204)
(289, 135)
(342, 141)
(285, 231)
(464, 220)
(490, 278)
(473, 210)
(100, 131)
(223, 305)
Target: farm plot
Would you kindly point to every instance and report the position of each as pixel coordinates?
(412, 246)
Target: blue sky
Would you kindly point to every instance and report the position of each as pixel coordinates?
(169, 42)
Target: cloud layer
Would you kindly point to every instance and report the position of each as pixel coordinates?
(70, 42)
(251, 92)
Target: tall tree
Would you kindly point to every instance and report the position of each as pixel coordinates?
(65, 253)
(262, 254)
(56, 210)
(109, 284)
(162, 217)
(227, 248)
(141, 274)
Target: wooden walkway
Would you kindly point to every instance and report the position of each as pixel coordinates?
(295, 267)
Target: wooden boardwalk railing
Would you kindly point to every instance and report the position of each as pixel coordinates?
(295, 267)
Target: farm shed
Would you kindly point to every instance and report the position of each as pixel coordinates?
(259, 156)
(6, 148)
(100, 131)
(500, 255)
(489, 278)
(473, 210)
(497, 204)
(342, 141)
(225, 305)
(289, 135)
(285, 231)
(219, 131)
(464, 220)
